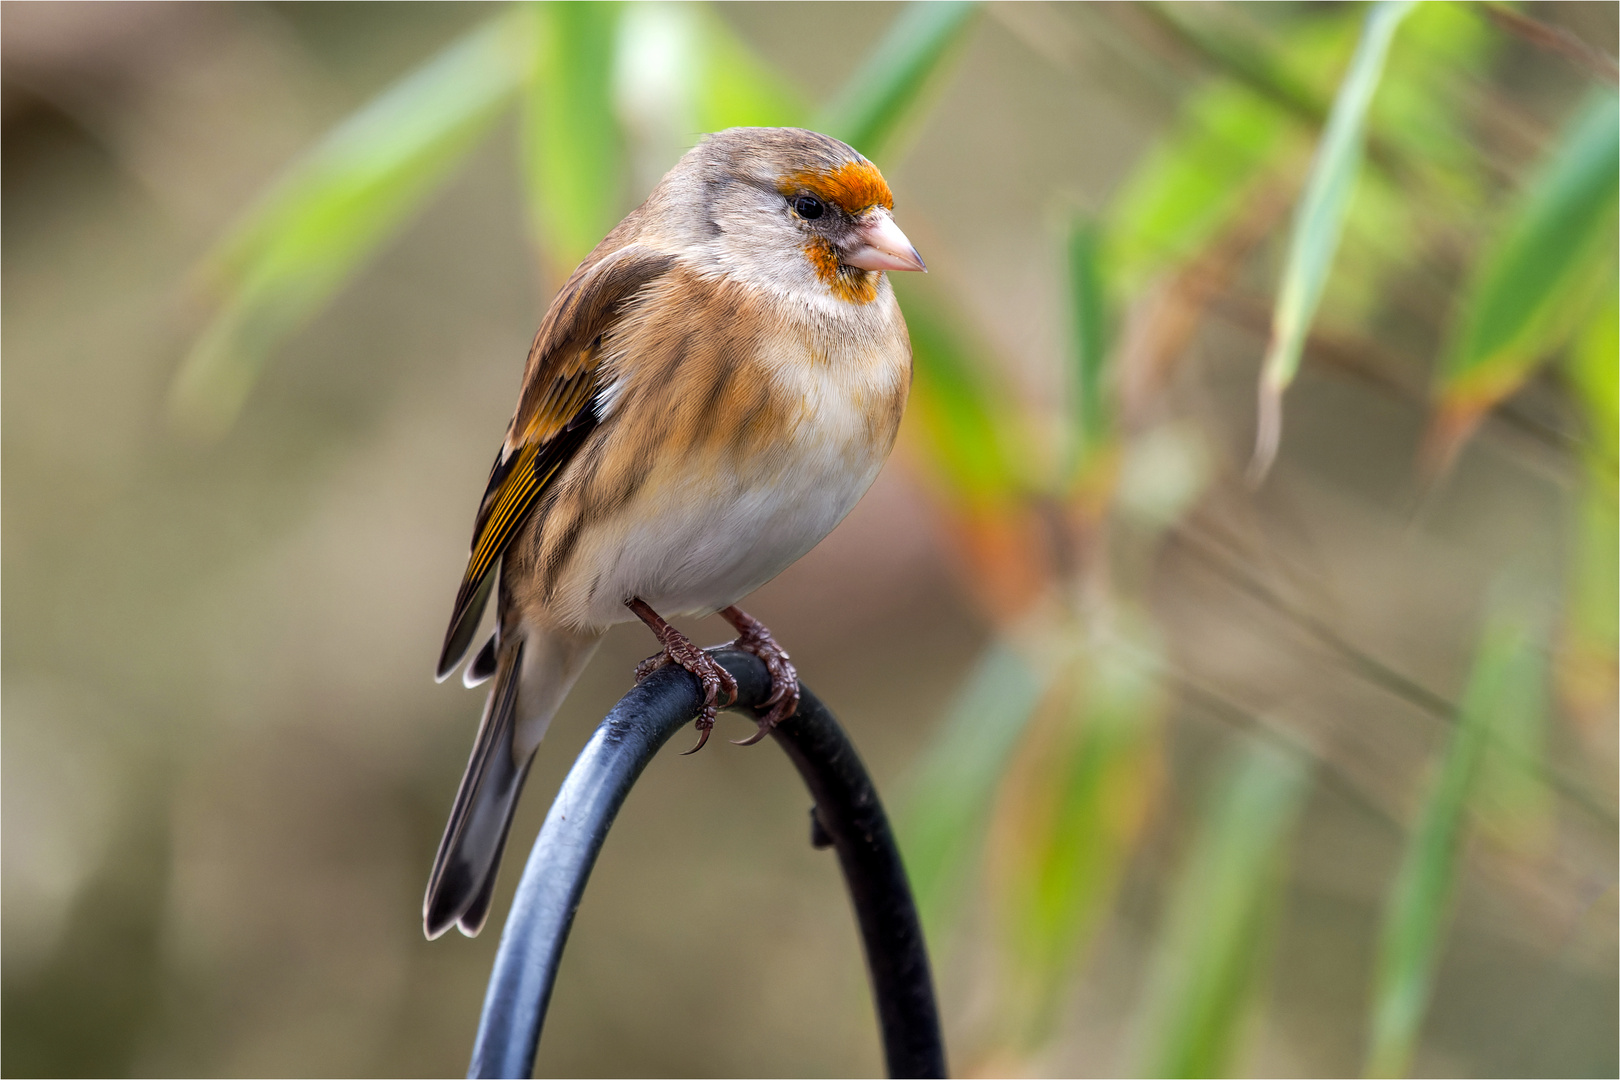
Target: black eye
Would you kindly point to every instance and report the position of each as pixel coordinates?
(808, 207)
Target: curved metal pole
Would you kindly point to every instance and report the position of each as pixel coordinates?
(847, 815)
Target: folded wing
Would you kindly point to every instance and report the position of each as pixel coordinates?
(555, 415)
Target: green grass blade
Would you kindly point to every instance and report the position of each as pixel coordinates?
(1510, 802)
(1595, 377)
(1209, 957)
(335, 206)
(1419, 903)
(948, 798)
(1319, 222)
(1092, 410)
(1071, 808)
(1435, 184)
(573, 152)
(876, 101)
(1536, 283)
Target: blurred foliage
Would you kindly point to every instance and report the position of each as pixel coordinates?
(875, 103)
(956, 783)
(1378, 128)
(1090, 421)
(1489, 765)
(1591, 632)
(1319, 222)
(572, 152)
(1542, 278)
(1222, 912)
(1193, 183)
(331, 210)
(1072, 805)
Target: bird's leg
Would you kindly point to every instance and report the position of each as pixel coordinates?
(754, 638)
(678, 649)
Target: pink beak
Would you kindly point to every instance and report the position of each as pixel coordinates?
(883, 246)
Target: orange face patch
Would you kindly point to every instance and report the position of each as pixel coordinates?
(850, 284)
(853, 186)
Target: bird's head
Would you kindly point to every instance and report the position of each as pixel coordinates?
(799, 212)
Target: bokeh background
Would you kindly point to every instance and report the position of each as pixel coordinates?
(1199, 767)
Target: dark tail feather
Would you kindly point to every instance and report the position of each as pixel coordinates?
(470, 854)
(483, 665)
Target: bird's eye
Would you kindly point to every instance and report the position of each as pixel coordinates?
(808, 207)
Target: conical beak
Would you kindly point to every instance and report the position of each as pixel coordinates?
(883, 246)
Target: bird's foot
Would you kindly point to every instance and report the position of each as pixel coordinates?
(752, 637)
(679, 649)
(650, 665)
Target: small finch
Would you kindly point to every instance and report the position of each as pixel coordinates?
(711, 391)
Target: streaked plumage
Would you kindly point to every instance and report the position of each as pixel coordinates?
(710, 393)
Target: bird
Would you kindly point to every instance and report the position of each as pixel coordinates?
(710, 392)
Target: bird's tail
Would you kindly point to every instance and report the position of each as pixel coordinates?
(531, 679)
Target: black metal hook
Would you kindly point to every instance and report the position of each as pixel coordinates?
(847, 815)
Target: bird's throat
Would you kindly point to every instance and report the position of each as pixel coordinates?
(848, 283)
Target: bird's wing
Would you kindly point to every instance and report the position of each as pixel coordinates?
(554, 415)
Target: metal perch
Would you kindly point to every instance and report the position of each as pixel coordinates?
(847, 815)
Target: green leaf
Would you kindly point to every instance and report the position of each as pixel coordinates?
(1595, 374)
(1501, 683)
(1539, 278)
(1511, 802)
(1423, 110)
(948, 797)
(1088, 312)
(1423, 114)
(1071, 808)
(1206, 965)
(1319, 222)
(336, 205)
(1191, 183)
(1587, 671)
(955, 405)
(572, 149)
(879, 96)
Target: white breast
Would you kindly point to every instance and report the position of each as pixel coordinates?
(696, 539)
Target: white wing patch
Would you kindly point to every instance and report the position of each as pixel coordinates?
(607, 398)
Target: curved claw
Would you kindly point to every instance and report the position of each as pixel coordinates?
(678, 649)
(716, 680)
(752, 637)
(787, 703)
(729, 685)
(703, 736)
(764, 730)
